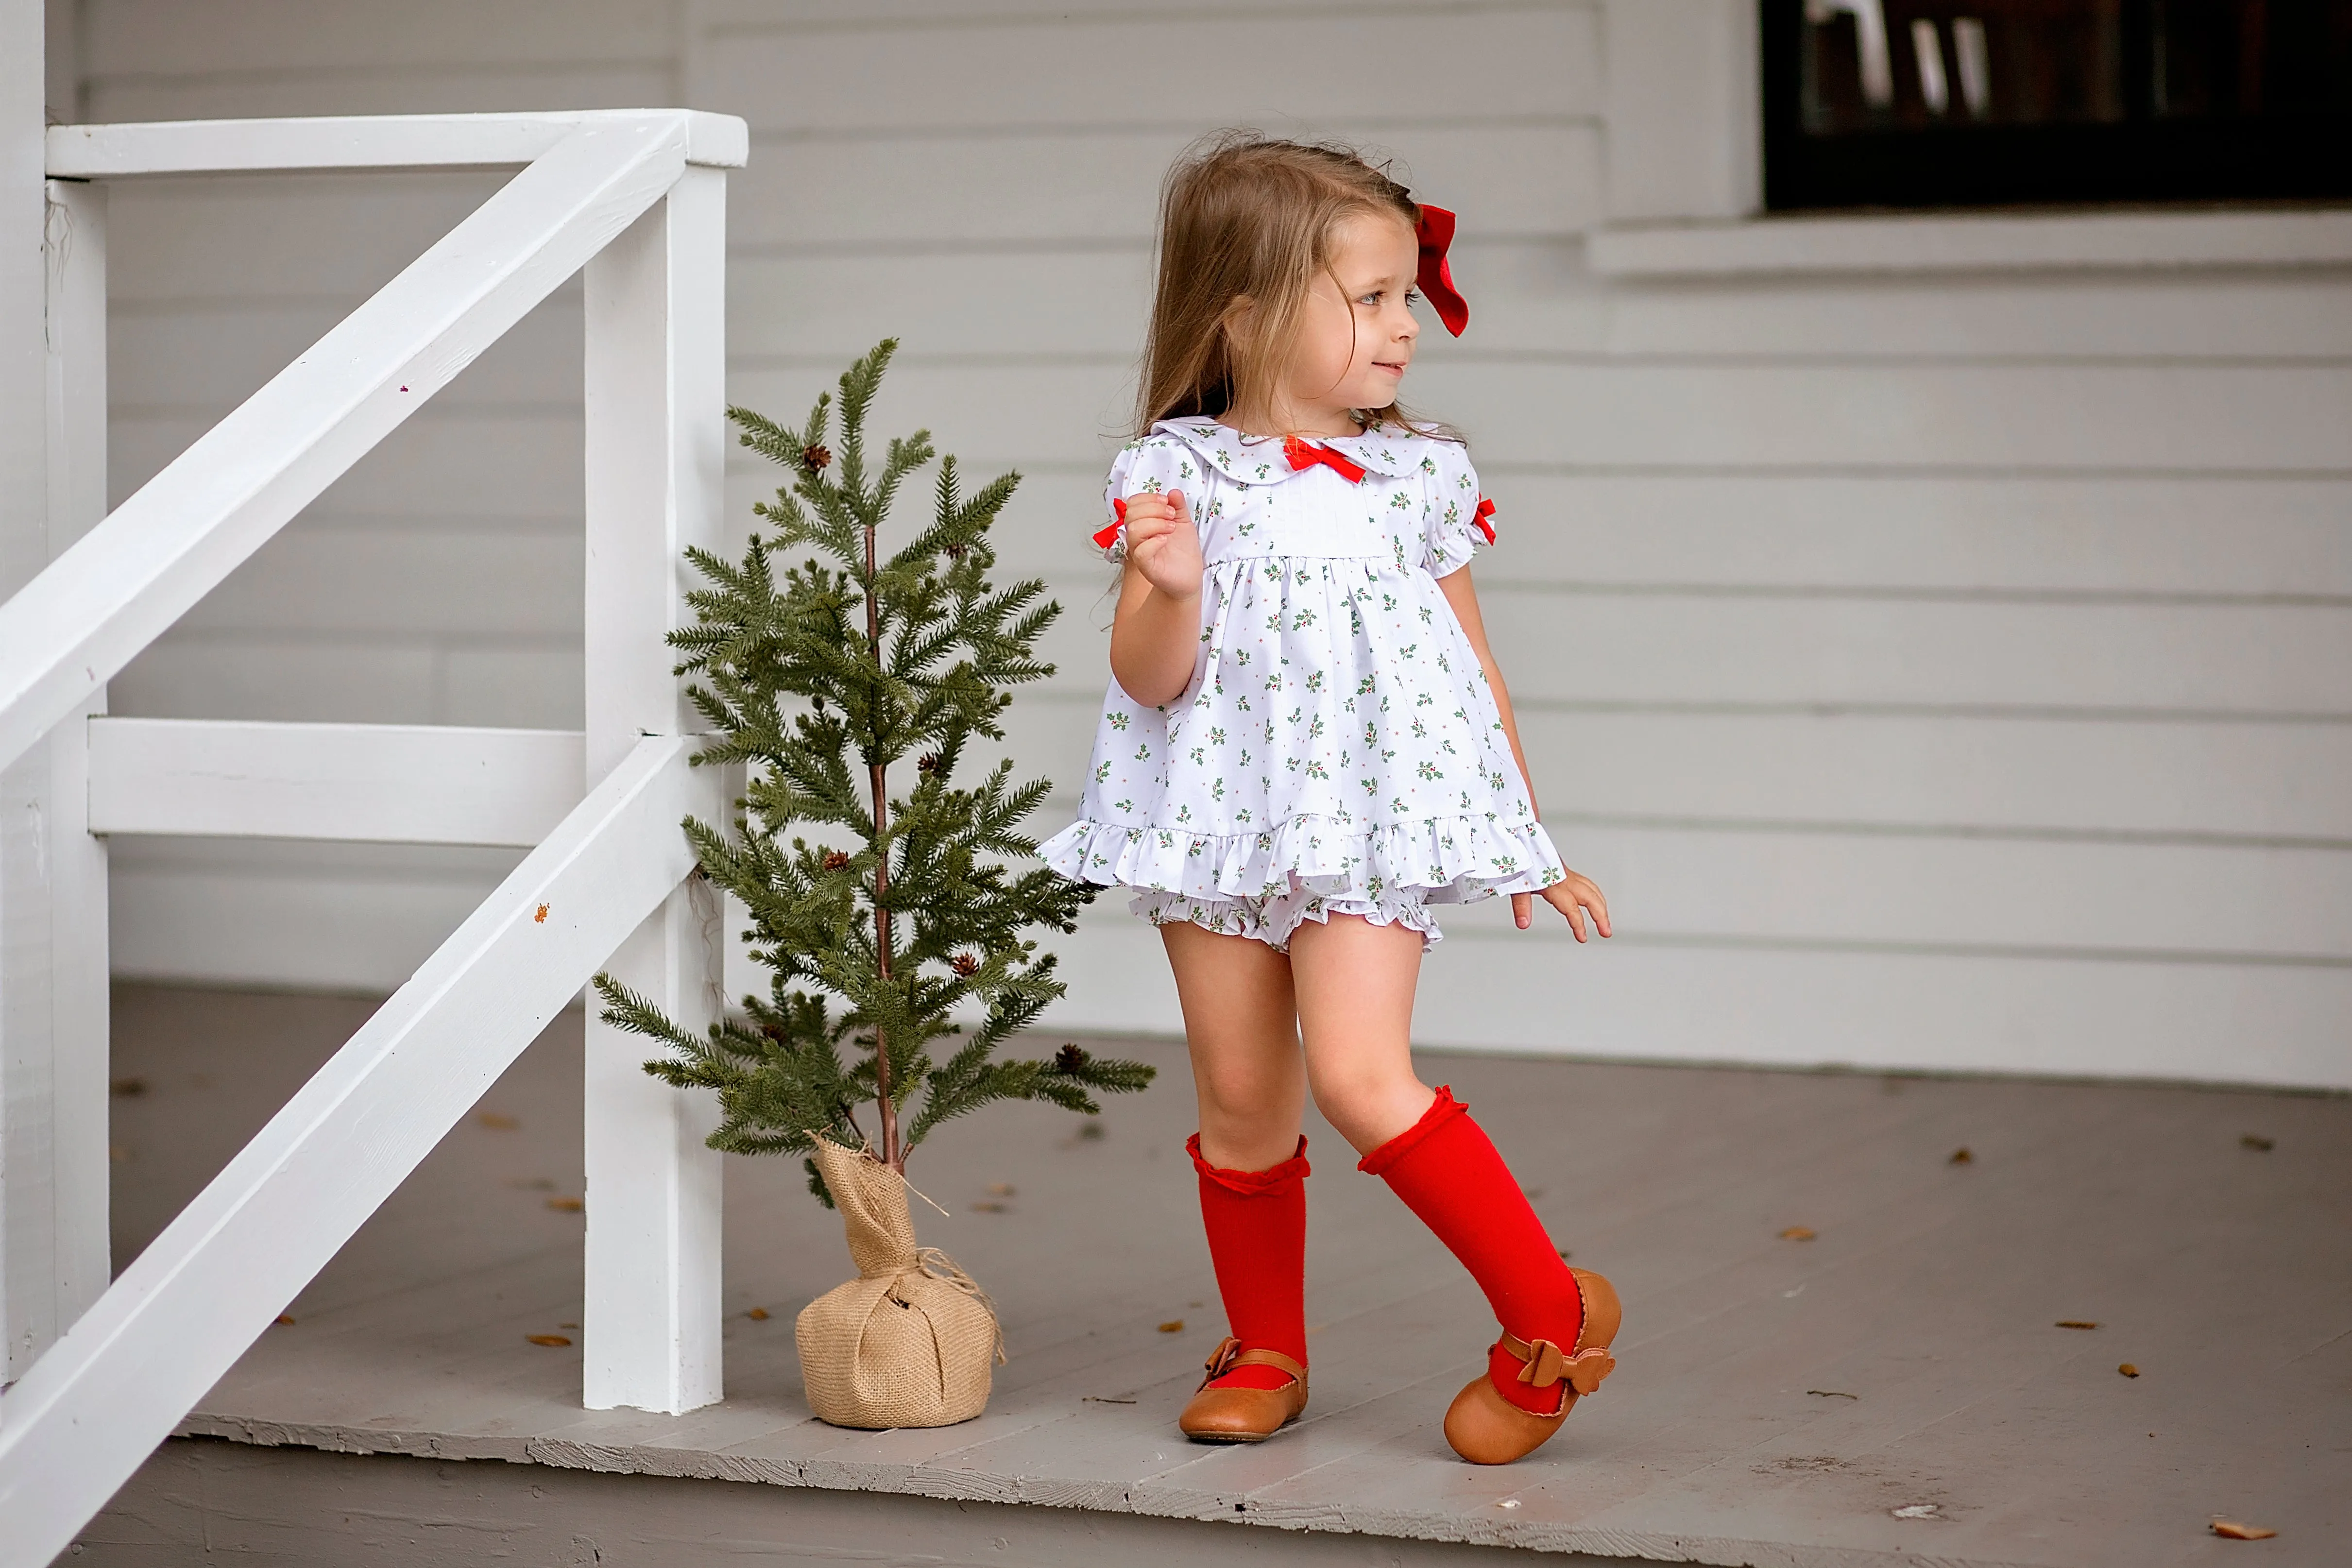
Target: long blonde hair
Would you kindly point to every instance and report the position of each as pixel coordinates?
(1246, 222)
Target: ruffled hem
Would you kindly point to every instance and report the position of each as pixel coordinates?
(1276, 919)
(1438, 860)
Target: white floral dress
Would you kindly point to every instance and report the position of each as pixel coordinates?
(1337, 751)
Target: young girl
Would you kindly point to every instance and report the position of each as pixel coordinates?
(1305, 747)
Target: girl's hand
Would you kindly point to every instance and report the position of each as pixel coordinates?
(1572, 895)
(1163, 544)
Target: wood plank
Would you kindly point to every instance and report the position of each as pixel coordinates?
(103, 151)
(408, 582)
(142, 38)
(366, 680)
(208, 357)
(487, 464)
(386, 783)
(1277, 68)
(2090, 1200)
(308, 922)
(274, 238)
(348, 88)
(1103, 185)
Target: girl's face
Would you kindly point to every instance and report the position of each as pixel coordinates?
(1356, 331)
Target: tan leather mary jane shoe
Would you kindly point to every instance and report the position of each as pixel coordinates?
(1243, 1415)
(1487, 1429)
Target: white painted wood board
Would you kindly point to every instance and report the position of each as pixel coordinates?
(386, 783)
(101, 151)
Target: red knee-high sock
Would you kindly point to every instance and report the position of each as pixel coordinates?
(1447, 1172)
(1256, 1221)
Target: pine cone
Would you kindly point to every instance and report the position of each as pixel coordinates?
(816, 459)
(954, 551)
(835, 860)
(965, 964)
(1070, 1059)
(929, 763)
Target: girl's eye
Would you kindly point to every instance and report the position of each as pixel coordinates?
(1412, 296)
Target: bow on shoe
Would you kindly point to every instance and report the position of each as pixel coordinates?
(1436, 277)
(1301, 453)
(1547, 1364)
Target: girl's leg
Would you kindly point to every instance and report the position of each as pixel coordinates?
(1354, 982)
(1240, 1025)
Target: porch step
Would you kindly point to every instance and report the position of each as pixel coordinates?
(1894, 1388)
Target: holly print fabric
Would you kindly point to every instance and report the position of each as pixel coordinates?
(1339, 751)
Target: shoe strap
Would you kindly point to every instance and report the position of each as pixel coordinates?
(1229, 1355)
(1543, 1363)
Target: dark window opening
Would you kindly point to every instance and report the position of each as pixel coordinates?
(1996, 103)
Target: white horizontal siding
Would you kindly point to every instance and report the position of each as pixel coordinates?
(1937, 671)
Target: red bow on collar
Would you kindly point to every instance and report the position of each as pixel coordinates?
(1435, 232)
(1301, 453)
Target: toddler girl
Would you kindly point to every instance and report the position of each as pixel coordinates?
(1306, 747)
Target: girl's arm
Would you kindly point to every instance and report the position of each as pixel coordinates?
(1155, 636)
(1571, 892)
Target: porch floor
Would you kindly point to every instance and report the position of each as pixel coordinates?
(1895, 1389)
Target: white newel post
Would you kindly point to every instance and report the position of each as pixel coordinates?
(656, 315)
(53, 958)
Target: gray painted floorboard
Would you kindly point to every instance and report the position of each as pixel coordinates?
(1778, 1401)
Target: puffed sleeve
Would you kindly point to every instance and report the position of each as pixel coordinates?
(1153, 465)
(1460, 518)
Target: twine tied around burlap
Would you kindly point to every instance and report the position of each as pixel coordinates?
(913, 1341)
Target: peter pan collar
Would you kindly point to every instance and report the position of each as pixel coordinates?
(1388, 451)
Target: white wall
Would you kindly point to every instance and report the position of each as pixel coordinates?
(1938, 670)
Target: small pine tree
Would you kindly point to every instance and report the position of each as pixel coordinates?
(822, 686)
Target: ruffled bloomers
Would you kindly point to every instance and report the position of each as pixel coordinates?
(1265, 885)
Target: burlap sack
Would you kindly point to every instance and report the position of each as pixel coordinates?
(911, 1341)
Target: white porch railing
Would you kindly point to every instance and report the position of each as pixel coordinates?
(637, 199)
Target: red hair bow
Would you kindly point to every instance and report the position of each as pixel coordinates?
(1435, 232)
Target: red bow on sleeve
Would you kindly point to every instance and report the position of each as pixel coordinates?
(1485, 518)
(1108, 533)
(1435, 232)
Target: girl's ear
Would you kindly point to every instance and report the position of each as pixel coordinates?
(1239, 321)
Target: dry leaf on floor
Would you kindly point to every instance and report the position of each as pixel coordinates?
(2230, 1529)
(2257, 1143)
(758, 1314)
(1172, 1326)
(566, 1206)
(991, 1208)
(553, 1341)
(1830, 1394)
(1000, 1189)
(285, 1320)
(127, 1087)
(1798, 1233)
(2128, 1370)
(1961, 1156)
(2075, 1323)
(498, 1122)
